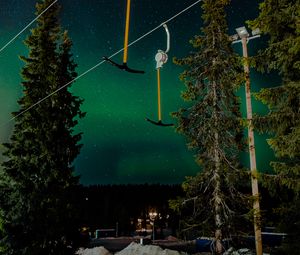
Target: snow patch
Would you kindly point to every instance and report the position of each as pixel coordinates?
(94, 251)
(131, 249)
(138, 249)
(243, 251)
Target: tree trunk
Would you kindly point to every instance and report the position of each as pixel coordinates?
(216, 177)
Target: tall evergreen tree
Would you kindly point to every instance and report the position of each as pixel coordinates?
(280, 21)
(212, 124)
(39, 176)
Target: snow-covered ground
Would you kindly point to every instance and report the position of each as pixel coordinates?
(139, 249)
(94, 251)
(131, 249)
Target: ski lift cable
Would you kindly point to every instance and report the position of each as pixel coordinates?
(29, 24)
(165, 22)
(100, 63)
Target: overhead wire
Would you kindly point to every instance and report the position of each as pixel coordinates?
(29, 24)
(100, 63)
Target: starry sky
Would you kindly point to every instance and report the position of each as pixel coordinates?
(120, 147)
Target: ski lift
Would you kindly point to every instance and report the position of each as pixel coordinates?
(124, 66)
(161, 58)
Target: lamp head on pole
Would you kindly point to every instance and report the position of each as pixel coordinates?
(242, 32)
(152, 215)
(256, 31)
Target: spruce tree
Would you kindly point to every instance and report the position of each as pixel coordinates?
(37, 198)
(212, 126)
(280, 21)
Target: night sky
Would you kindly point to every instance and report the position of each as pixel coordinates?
(119, 145)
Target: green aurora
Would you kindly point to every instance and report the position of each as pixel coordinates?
(119, 145)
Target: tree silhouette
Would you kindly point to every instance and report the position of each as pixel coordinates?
(280, 21)
(212, 126)
(37, 198)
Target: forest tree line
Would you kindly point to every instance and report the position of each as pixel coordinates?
(105, 206)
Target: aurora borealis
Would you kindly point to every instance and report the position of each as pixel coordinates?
(119, 145)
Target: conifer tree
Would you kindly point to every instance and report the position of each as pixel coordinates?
(212, 125)
(280, 21)
(37, 198)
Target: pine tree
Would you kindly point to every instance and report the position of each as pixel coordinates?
(280, 21)
(212, 125)
(37, 198)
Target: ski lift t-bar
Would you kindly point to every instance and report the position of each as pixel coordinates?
(161, 58)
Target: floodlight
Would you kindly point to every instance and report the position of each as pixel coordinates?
(256, 31)
(242, 32)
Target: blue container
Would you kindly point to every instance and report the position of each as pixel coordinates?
(203, 245)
